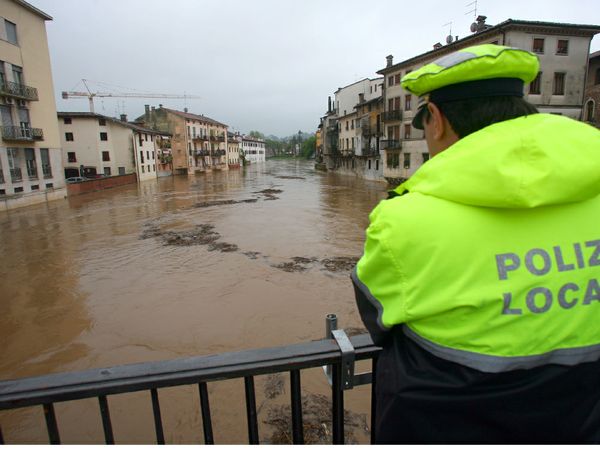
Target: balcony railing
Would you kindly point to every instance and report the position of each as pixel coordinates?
(200, 137)
(218, 153)
(19, 133)
(217, 138)
(339, 352)
(15, 175)
(391, 144)
(392, 116)
(17, 90)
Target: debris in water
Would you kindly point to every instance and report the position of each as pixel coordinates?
(224, 202)
(297, 264)
(337, 264)
(316, 421)
(274, 385)
(290, 177)
(252, 254)
(223, 247)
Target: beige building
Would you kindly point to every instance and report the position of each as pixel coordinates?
(30, 155)
(233, 150)
(559, 89)
(96, 145)
(198, 143)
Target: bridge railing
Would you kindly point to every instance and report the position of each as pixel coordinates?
(338, 354)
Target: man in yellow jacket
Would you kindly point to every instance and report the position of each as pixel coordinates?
(481, 274)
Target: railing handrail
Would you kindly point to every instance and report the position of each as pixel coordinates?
(143, 376)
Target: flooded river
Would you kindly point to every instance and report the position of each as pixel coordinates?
(179, 267)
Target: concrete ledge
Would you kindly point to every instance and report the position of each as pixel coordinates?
(94, 185)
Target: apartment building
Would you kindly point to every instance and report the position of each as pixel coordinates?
(559, 88)
(253, 149)
(96, 145)
(198, 143)
(30, 154)
(591, 108)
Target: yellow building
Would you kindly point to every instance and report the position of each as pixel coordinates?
(30, 155)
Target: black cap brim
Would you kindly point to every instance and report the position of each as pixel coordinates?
(417, 121)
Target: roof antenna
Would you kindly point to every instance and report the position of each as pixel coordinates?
(449, 38)
(474, 10)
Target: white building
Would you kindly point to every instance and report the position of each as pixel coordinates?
(253, 149)
(30, 155)
(96, 145)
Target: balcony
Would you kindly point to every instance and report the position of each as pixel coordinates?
(16, 133)
(202, 137)
(202, 153)
(391, 144)
(218, 153)
(392, 116)
(17, 90)
(220, 138)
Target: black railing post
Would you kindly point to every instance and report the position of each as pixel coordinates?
(1, 437)
(206, 420)
(296, 393)
(337, 404)
(53, 435)
(251, 410)
(106, 424)
(160, 437)
(373, 399)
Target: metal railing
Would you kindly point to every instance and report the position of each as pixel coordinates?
(15, 175)
(391, 144)
(338, 352)
(391, 116)
(17, 90)
(19, 133)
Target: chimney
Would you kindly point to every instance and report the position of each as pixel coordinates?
(147, 113)
(437, 45)
(361, 98)
(123, 117)
(153, 108)
(329, 104)
(185, 109)
(390, 60)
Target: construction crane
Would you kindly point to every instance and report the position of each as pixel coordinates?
(90, 95)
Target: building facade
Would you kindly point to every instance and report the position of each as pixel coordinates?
(559, 88)
(591, 107)
(387, 147)
(198, 143)
(96, 145)
(30, 154)
(233, 150)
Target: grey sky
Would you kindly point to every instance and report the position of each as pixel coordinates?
(264, 65)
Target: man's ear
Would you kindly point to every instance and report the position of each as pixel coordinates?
(436, 119)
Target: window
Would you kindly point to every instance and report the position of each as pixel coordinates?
(1, 174)
(369, 164)
(425, 157)
(589, 111)
(347, 125)
(71, 156)
(406, 160)
(146, 135)
(105, 156)
(67, 120)
(407, 130)
(121, 170)
(148, 169)
(559, 83)
(143, 169)
(397, 79)
(104, 136)
(2, 191)
(535, 88)
(50, 185)
(376, 164)
(11, 32)
(407, 102)
(69, 137)
(141, 156)
(153, 157)
(106, 171)
(562, 47)
(147, 154)
(538, 45)
(102, 121)
(18, 189)
(390, 80)
(30, 163)
(35, 187)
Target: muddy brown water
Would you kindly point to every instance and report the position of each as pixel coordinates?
(226, 261)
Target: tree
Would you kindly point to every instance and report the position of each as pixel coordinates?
(257, 135)
(308, 147)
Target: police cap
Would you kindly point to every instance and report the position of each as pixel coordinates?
(481, 71)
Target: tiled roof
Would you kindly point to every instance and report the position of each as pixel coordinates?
(191, 116)
(111, 119)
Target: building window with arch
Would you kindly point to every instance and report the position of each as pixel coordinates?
(589, 111)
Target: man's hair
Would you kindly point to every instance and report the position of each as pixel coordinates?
(473, 114)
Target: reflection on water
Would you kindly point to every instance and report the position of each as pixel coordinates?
(83, 286)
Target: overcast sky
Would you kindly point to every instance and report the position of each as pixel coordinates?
(265, 65)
